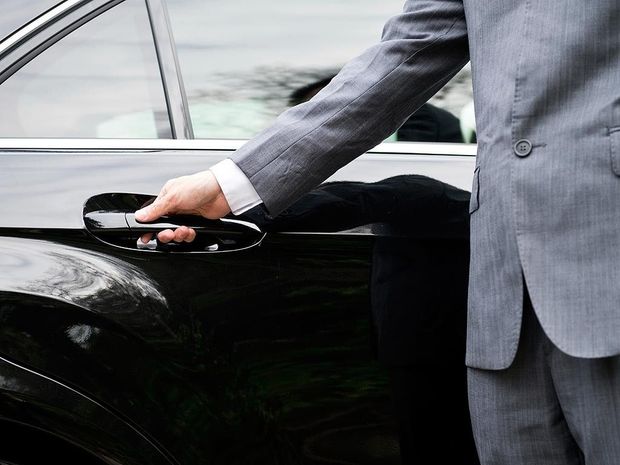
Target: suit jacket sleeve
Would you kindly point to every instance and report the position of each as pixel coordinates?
(420, 50)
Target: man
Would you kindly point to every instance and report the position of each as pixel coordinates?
(545, 204)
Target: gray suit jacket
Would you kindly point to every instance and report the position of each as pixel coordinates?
(547, 72)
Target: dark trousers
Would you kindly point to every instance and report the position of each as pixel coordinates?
(547, 408)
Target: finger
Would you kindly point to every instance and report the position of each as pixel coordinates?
(181, 233)
(191, 235)
(166, 236)
(155, 210)
(146, 238)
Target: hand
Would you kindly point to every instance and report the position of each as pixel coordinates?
(198, 194)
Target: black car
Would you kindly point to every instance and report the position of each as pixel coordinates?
(268, 340)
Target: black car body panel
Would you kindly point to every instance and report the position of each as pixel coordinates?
(258, 356)
(94, 433)
(252, 355)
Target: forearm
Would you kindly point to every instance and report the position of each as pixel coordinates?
(420, 51)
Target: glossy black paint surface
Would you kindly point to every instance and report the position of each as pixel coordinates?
(264, 355)
(78, 426)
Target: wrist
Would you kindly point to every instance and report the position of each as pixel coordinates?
(238, 191)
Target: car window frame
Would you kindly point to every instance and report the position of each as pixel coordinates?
(25, 44)
(19, 48)
(30, 20)
(170, 70)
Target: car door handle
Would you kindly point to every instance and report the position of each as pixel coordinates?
(121, 228)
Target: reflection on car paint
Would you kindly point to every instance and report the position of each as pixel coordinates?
(272, 371)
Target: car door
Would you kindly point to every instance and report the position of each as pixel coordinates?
(258, 343)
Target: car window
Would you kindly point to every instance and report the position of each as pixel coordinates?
(100, 81)
(245, 61)
(16, 13)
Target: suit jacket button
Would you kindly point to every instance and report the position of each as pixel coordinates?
(523, 148)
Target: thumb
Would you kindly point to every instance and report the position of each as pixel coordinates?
(150, 213)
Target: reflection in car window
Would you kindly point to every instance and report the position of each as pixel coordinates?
(16, 13)
(246, 61)
(102, 80)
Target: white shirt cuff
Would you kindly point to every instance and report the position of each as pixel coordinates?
(237, 188)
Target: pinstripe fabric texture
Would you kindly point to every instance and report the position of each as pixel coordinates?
(548, 72)
(548, 408)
